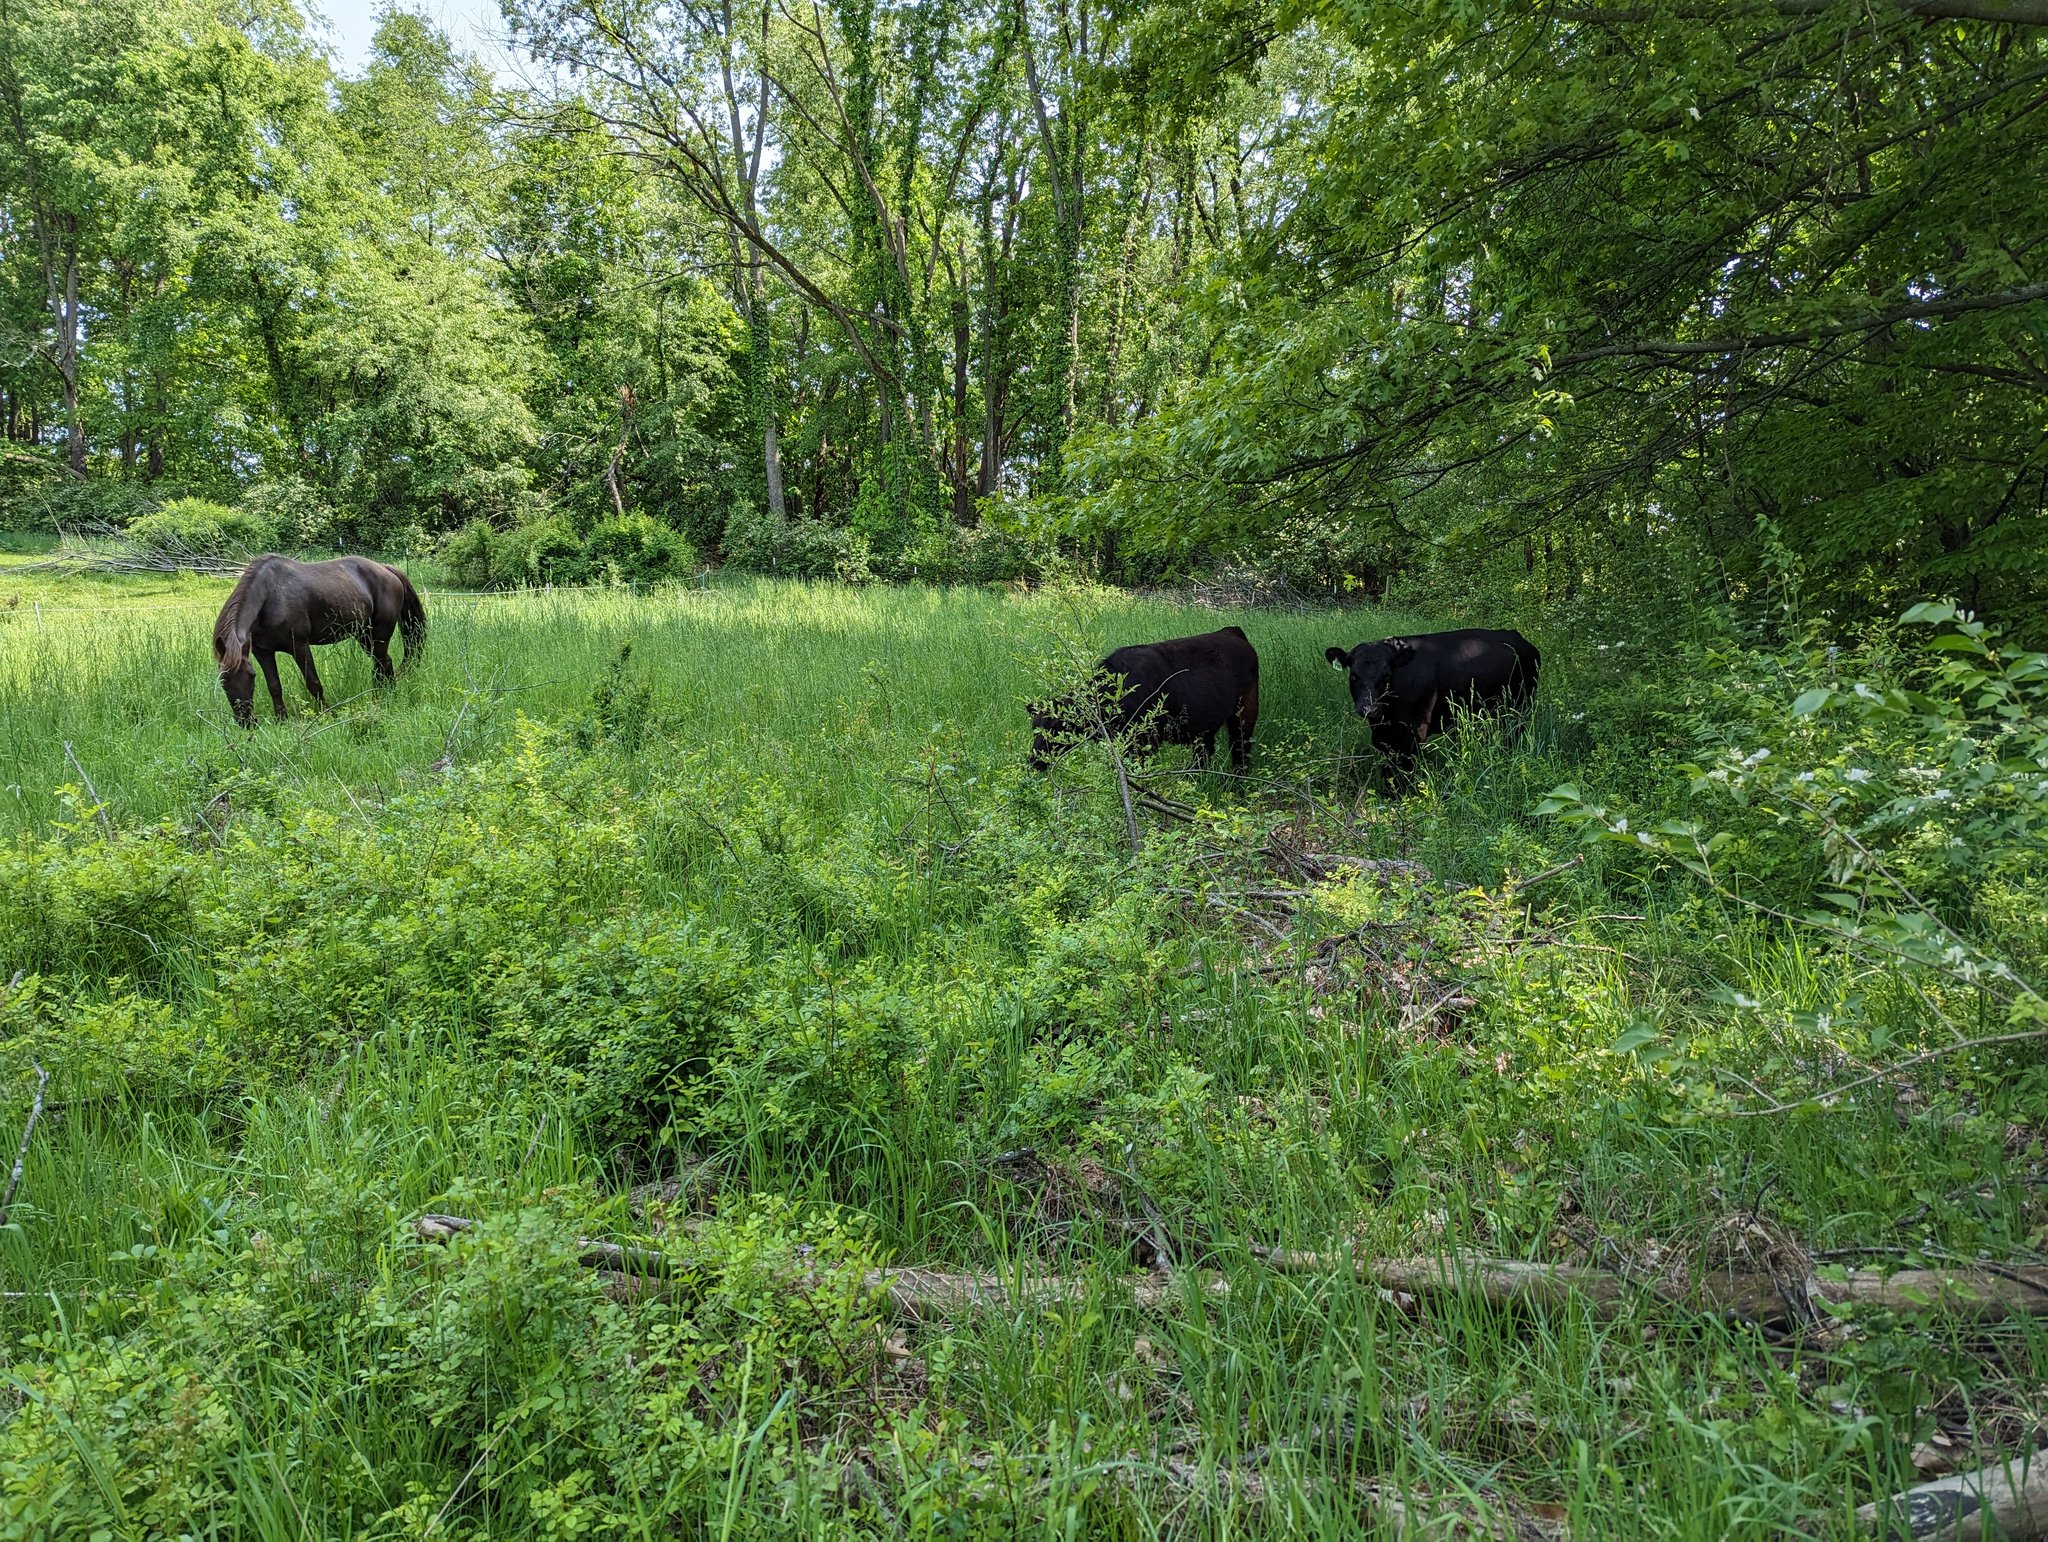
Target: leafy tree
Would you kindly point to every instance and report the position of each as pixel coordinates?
(1551, 272)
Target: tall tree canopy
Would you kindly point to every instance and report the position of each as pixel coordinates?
(1657, 273)
(1569, 294)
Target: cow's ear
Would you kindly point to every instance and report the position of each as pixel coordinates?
(1403, 649)
(1338, 657)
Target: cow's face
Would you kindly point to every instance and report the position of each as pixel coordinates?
(1369, 668)
(1050, 734)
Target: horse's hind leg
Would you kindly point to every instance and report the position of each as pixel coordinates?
(379, 649)
(303, 652)
(268, 659)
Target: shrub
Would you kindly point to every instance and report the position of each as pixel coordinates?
(628, 1016)
(1897, 820)
(67, 505)
(466, 554)
(291, 507)
(544, 551)
(639, 548)
(200, 528)
(801, 548)
(950, 553)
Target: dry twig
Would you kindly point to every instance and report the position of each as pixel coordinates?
(21, 1156)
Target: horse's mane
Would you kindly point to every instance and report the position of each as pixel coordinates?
(231, 632)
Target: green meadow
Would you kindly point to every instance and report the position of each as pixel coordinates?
(724, 924)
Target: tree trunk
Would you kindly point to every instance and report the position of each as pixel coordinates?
(1127, 263)
(956, 462)
(771, 450)
(67, 352)
(761, 338)
(159, 416)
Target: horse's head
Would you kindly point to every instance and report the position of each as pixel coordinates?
(237, 679)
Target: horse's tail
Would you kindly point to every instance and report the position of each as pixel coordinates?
(231, 630)
(412, 620)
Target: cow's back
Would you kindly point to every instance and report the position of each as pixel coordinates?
(1471, 666)
(1202, 677)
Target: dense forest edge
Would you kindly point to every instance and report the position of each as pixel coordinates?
(665, 1066)
(1539, 299)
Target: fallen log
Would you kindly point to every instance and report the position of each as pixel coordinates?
(922, 1295)
(1977, 1294)
(1398, 1512)
(2007, 1501)
(930, 1294)
(593, 1254)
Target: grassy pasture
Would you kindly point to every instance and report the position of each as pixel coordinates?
(300, 985)
(789, 673)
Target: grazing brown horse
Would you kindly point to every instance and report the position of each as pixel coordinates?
(282, 606)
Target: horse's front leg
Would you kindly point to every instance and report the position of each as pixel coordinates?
(303, 652)
(268, 659)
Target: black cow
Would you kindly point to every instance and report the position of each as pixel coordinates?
(1204, 683)
(1406, 686)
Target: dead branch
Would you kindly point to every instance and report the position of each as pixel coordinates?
(1548, 872)
(921, 1295)
(1166, 806)
(120, 553)
(20, 1157)
(593, 1254)
(925, 1295)
(2008, 1500)
(1982, 1294)
(1940, 1052)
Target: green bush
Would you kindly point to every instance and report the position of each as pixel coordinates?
(1896, 821)
(62, 504)
(546, 550)
(637, 548)
(950, 554)
(801, 548)
(200, 528)
(293, 508)
(629, 1016)
(467, 553)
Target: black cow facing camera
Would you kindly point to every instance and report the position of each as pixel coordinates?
(1407, 687)
(1202, 683)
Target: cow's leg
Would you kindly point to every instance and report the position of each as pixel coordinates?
(1426, 724)
(1241, 725)
(1397, 746)
(1518, 711)
(303, 653)
(267, 658)
(1204, 749)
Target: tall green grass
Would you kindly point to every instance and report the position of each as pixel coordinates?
(818, 678)
(220, 1287)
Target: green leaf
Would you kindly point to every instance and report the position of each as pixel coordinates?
(1930, 613)
(1810, 702)
(1635, 1038)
